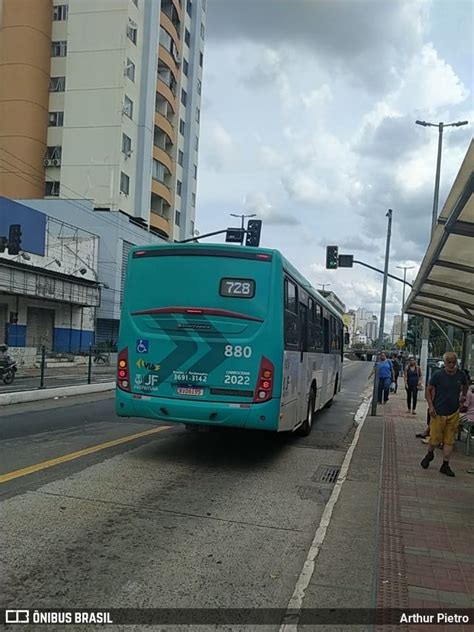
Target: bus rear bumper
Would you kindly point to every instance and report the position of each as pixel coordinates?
(262, 416)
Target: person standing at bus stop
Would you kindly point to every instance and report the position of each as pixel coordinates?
(443, 398)
(386, 377)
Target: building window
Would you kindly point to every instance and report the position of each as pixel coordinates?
(177, 218)
(193, 199)
(158, 171)
(187, 37)
(57, 84)
(202, 30)
(184, 97)
(195, 172)
(124, 183)
(189, 7)
(126, 145)
(59, 49)
(52, 188)
(54, 152)
(56, 119)
(130, 69)
(198, 115)
(196, 143)
(201, 59)
(135, 2)
(179, 186)
(185, 67)
(180, 158)
(191, 226)
(128, 107)
(60, 12)
(132, 31)
(204, 5)
(199, 86)
(181, 127)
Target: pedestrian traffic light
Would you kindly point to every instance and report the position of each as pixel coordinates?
(254, 228)
(234, 235)
(14, 239)
(410, 338)
(331, 257)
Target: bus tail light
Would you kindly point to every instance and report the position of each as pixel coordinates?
(264, 389)
(123, 373)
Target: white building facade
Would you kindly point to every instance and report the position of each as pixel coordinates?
(124, 108)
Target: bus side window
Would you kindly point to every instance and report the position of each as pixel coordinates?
(327, 343)
(291, 315)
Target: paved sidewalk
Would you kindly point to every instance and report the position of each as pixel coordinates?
(426, 521)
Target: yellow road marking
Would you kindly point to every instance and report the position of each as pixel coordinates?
(76, 455)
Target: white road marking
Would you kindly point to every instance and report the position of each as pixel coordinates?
(296, 602)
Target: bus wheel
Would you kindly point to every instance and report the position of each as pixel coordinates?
(305, 429)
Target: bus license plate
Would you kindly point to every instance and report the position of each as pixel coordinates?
(184, 390)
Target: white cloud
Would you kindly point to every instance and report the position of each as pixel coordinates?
(220, 149)
(257, 202)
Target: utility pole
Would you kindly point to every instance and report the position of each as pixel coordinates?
(404, 268)
(434, 220)
(382, 311)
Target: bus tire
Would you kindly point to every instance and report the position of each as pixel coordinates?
(305, 429)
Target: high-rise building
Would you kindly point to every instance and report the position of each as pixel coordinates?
(396, 327)
(100, 100)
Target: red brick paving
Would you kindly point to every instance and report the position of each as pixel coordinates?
(422, 509)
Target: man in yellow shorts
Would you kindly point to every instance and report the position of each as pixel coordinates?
(446, 389)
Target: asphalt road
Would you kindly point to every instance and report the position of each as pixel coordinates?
(172, 519)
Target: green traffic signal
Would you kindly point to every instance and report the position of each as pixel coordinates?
(332, 257)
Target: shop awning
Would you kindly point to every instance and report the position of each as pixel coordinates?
(444, 287)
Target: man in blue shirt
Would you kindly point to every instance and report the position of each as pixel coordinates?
(386, 377)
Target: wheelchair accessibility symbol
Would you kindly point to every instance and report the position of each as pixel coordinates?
(142, 346)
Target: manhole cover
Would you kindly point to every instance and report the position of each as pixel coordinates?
(327, 474)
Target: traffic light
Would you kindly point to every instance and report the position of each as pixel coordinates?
(254, 228)
(410, 338)
(331, 257)
(3, 243)
(14, 239)
(346, 261)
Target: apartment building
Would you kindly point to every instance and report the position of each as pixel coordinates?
(101, 101)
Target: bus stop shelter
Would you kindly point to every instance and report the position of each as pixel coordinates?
(444, 287)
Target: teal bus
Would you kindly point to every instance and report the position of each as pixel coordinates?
(229, 336)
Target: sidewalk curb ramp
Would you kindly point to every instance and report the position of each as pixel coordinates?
(20, 397)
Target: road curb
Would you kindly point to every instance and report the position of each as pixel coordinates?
(20, 397)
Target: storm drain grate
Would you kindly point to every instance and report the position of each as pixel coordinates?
(327, 474)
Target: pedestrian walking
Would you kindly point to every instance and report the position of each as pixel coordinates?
(446, 390)
(412, 379)
(396, 370)
(386, 377)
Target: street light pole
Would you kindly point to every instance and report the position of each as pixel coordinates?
(373, 410)
(324, 286)
(243, 216)
(404, 268)
(434, 220)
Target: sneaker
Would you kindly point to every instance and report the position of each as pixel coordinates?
(425, 440)
(445, 469)
(413, 412)
(427, 460)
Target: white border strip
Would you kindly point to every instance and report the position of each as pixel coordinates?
(296, 601)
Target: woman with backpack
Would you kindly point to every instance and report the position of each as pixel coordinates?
(412, 377)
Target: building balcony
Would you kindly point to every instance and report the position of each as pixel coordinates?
(160, 223)
(162, 156)
(170, 28)
(165, 92)
(168, 59)
(160, 189)
(163, 123)
(179, 9)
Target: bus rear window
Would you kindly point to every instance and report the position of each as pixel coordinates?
(237, 288)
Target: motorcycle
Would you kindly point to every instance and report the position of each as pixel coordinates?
(7, 371)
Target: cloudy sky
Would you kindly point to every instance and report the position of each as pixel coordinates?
(308, 120)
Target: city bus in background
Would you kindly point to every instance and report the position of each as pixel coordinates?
(229, 336)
